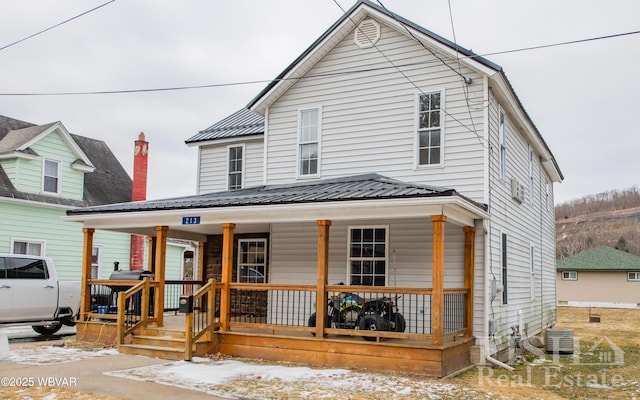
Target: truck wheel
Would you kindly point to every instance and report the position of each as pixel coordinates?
(49, 329)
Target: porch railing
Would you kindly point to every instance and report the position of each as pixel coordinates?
(135, 308)
(291, 306)
(201, 321)
(174, 289)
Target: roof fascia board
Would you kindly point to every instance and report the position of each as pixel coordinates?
(18, 154)
(222, 141)
(66, 136)
(457, 210)
(32, 203)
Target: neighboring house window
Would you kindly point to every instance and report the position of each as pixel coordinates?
(51, 177)
(28, 247)
(569, 275)
(236, 166)
(429, 129)
(309, 142)
(96, 261)
(503, 145)
(368, 256)
(252, 260)
(531, 177)
(633, 276)
(503, 251)
(532, 261)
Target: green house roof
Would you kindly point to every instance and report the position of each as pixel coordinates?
(601, 258)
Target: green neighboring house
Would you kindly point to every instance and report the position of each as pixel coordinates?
(599, 277)
(44, 171)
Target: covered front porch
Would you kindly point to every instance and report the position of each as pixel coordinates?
(429, 279)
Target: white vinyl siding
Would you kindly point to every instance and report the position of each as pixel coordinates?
(503, 144)
(369, 118)
(213, 166)
(532, 262)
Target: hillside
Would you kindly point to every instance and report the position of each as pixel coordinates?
(609, 219)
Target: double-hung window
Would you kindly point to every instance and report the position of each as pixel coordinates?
(236, 166)
(503, 144)
(28, 247)
(368, 256)
(309, 142)
(96, 259)
(51, 177)
(429, 129)
(252, 260)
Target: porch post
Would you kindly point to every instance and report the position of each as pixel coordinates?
(85, 291)
(323, 275)
(437, 297)
(469, 251)
(159, 271)
(227, 273)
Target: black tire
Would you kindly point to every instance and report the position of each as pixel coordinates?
(372, 322)
(397, 323)
(47, 329)
(312, 322)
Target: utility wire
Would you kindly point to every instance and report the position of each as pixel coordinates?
(345, 72)
(55, 26)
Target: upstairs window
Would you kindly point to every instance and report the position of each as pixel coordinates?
(51, 177)
(236, 166)
(429, 129)
(503, 145)
(368, 256)
(309, 142)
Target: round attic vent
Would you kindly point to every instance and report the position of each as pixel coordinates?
(367, 34)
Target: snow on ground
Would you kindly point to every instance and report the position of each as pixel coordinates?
(254, 379)
(52, 354)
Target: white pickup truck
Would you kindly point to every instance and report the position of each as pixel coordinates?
(30, 294)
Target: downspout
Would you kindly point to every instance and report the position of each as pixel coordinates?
(487, 301)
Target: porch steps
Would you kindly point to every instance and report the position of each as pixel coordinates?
(163, 343)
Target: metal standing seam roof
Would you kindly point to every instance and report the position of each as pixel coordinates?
(243, 122)
(603, 258)
(360, 187)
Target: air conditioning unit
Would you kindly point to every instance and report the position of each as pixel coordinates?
(559, 341)
(517, 190)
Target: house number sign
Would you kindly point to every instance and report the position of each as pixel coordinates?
(191, 220)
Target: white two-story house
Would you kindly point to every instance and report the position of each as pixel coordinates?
(385, 158)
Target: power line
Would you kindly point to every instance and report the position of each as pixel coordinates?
(353, 71)
(55, 26)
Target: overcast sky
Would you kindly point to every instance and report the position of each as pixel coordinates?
(582, 97)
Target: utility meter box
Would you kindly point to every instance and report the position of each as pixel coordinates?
(186, 304)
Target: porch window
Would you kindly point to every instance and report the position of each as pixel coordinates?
(569, 275)
(633, 276)
(252, 260)
(51, 177)
(28, 247)
(309, 142)
(236, 166)
(368, 256)
(96, 259)
(429, 129)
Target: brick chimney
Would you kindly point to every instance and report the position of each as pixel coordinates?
(139, 193)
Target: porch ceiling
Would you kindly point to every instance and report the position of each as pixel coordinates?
(346, 199)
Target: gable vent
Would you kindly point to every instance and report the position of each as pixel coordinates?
(367, 34)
